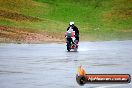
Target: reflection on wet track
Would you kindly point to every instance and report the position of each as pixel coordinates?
(51, 66)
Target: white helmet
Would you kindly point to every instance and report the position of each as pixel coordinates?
(71, 23)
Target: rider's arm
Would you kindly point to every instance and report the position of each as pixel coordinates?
(68, 28)
(78, 31)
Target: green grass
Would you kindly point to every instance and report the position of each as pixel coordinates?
(96, 19)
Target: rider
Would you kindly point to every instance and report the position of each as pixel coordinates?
(71, 25)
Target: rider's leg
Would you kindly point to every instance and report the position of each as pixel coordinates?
(77, 38)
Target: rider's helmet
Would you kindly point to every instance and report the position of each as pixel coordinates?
(71, 23)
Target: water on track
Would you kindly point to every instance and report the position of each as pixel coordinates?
(51, 66)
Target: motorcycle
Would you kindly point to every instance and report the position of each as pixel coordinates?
(71, 41)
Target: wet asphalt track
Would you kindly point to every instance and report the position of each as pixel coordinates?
(51, 66)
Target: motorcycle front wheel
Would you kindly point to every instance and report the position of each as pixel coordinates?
(68, 47)
(68, 44)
